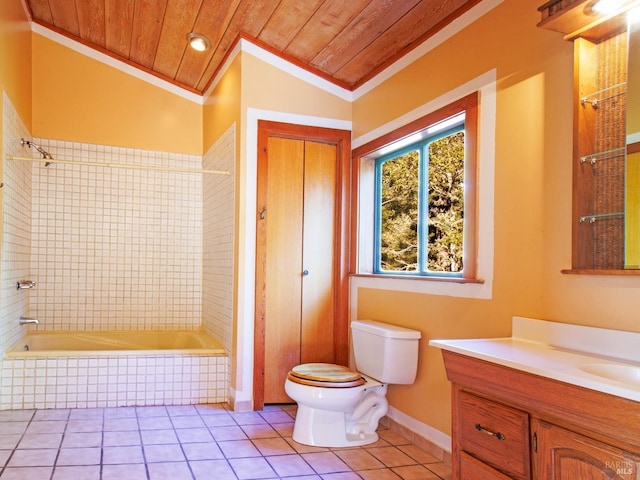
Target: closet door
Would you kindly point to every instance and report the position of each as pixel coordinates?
(319, 245)
(283, 263)
(298, 259)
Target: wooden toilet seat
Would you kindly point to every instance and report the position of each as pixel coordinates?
(325, 375)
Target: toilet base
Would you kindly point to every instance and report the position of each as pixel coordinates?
(324, 428)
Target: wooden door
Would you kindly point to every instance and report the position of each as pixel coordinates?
(283, 263)
(318, 254)
(565, 455)
(299, 259)
(303, 218)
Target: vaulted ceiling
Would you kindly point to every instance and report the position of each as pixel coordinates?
(344, 41)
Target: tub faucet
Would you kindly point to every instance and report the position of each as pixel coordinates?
(28, 321)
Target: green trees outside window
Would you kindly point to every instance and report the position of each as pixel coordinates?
(420, 206)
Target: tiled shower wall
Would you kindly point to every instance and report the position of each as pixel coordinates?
(16, 240)
(116, 248)
(217, 255)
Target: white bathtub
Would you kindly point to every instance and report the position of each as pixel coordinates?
(110, 369)
(134, 342)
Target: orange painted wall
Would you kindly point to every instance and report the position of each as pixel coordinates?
(222, 105)
(15, 58)
(79, 99)
(267, 87)
(532, 198)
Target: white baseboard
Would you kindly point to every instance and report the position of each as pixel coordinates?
(421, 434)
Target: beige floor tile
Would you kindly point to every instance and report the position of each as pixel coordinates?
(33, 458)
(169, 471)
(118, 455)
(212, 469)
(52, 414)
(86, 413)
(13, 428)
(120, 424)
(238, 449)
(158, 437)
(222, 434)
(27, 473)
(418, 454)
(440, 469)
(194, 435)
(16, 415)
(84, 425)
(157, 411)
(122, 439)
(81, 439)
(252, 468)
(154, 423)
(124, 472)
(76, 473)
(260, 431)
(393, 438)
(79, 456)
(359, 459)
(391, 456)
(273, 446)
(415, 472)
(202, 451)
(384, 474)
(290, 465)
(325, 462)
(187, 421)
(341, 476)
(40, 440)
(163, 453)
(53, 426)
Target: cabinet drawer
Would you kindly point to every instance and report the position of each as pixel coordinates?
(494, 433)
(473, 469)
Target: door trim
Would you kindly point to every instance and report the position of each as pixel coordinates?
(342, 140)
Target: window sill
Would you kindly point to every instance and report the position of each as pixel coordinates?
(418, 278)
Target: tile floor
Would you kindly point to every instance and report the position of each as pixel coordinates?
(203, 442)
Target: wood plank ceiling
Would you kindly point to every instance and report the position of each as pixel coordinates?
(345, 41)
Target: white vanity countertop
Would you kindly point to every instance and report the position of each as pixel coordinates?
(563, 352)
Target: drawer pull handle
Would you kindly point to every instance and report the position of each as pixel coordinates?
(498, 435)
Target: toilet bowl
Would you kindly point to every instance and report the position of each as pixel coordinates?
(341, 407)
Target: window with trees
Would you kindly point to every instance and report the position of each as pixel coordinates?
(420, 204)
(424, 189)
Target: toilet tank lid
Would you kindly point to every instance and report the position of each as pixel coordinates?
(384, 329)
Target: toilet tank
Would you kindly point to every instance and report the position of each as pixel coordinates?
(387, 353)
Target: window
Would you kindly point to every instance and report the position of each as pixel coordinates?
(423, 193)
(419, 204)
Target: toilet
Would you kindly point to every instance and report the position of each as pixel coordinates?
(340, 407)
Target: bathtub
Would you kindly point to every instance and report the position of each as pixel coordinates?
(88, 343)
(110, 369)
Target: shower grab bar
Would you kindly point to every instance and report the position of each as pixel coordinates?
(119, 165)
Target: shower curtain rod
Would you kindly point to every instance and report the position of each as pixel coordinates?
(119, 165)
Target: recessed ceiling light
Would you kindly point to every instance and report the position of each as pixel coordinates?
(198, 42)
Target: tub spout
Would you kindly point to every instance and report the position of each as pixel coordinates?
(28, 321)
(25, 284)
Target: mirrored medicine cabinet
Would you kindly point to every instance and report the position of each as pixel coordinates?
(606, 141)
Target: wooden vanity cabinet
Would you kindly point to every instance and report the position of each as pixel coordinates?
(510, 424)
(566, 455)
